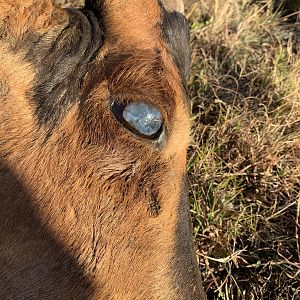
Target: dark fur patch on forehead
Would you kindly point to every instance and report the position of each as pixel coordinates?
(62, 58)
(175, 31)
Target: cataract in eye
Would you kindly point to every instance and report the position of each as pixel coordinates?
(145, 118)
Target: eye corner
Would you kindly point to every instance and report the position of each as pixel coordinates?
(117, 109)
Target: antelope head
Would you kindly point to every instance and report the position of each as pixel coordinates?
(94, 129)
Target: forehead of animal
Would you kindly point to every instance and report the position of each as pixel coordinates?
(64, 55)
(143, 23)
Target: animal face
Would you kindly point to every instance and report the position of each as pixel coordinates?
(94, 129)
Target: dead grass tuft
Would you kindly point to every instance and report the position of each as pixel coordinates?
(244, 164)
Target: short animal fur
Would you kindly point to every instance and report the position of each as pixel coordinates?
(88, 209)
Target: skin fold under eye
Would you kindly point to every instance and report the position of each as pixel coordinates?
(139, 117)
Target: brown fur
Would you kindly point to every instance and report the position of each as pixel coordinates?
(75, 205)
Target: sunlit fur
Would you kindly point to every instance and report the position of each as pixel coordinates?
(75, 202)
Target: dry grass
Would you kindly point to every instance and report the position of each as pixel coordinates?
(244, 164)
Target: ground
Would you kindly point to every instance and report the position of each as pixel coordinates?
(244, 161)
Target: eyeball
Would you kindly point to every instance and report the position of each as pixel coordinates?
(140, 117)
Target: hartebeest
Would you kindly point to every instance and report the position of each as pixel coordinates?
(94, 126)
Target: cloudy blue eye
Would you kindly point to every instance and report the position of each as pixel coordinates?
(143, 118)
